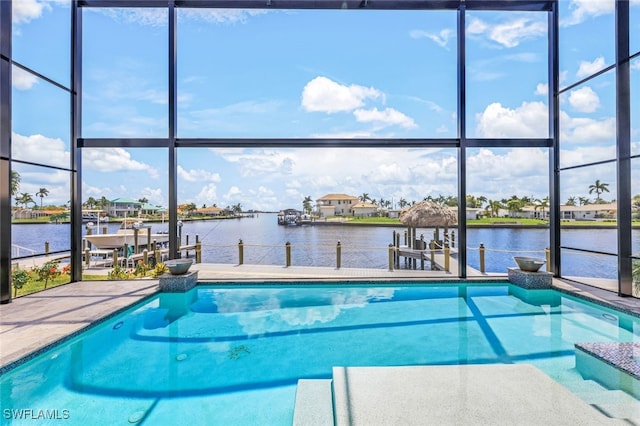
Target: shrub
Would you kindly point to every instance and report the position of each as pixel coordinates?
(48, 271)
(141, 268)
(160, 269)
(118, 273)
(19, 278)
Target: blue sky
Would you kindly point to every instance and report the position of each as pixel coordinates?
(309, 74)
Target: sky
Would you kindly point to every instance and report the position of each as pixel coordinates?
(316, 74)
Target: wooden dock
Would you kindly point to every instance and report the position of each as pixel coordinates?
(98, 258)
(439, 259)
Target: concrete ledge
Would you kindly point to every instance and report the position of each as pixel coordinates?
(530, 280)
(178, 283)
(456, 395)
(613, 365)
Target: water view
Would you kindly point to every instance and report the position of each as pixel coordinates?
(362, 246)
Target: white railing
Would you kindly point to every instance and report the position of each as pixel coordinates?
(19, 251)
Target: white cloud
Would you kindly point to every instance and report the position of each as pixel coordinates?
(581, 130)
(584, 99)
(442, 129)
(198, 175)
(356, 134)
(542, 89)
(158, 17)
(109, 160)
(154, 195)
(324, 95)
(208, 195)
(529, 120)
(504, 172)
(40, 149)
(508, 34)
(22, 80)
(477, 26)
(563, 76)
(386, 117)
(586, 155)
(441, 38)
(25, 11)
(581, 10)
(233, 195)
(219, 16)
(259, 162)
(587, 68)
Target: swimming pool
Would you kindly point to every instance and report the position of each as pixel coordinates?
(233, 355)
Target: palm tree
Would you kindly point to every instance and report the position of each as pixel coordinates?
(143, 200)
(514, 206)
(306, 204)
(472, 201)
(236, 208)
(598, 187)
(402, 203)
(25, 198)
(364, 197)
(542, 204)
(493, 207)
(15, 182)
(90, 203)
(190, 208)
(571, 201)
(42, 192)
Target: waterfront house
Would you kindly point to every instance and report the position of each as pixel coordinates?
(364, 209)
(336, 205)
(528, 212)
(124, 207)
(602, 211)
(209, 211)
(151, 209)
(394, 213)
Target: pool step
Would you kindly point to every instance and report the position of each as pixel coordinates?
(612, 402)
(447, 394)
(314, 403)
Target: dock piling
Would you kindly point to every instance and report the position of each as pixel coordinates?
(287, 247)
(240, 253)
(447, 256)
(338, 255)
(481, 258)
(547, 255)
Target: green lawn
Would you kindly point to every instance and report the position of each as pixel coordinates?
(490, 221)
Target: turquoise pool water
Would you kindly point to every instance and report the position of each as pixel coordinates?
(233, 355)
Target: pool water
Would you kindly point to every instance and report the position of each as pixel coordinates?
(233, 355)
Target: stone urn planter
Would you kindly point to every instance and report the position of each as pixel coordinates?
(178, 266)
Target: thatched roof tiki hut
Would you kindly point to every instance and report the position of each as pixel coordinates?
(427, 214)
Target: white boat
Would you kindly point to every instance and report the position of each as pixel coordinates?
(126, 235)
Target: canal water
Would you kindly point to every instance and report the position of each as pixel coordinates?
(264, 242)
